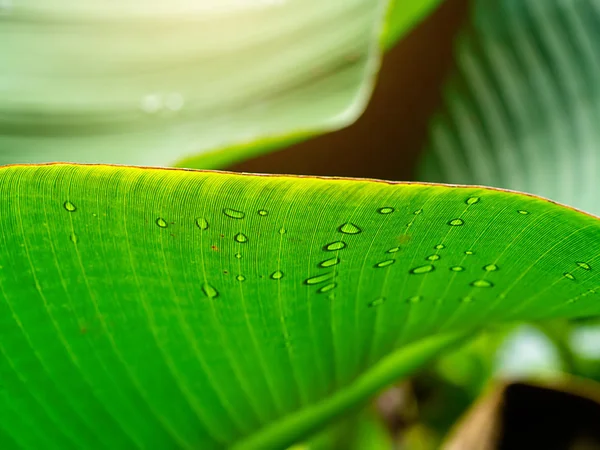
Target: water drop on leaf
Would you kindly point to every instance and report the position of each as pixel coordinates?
(467, 300)
(263, 213)
(151, 103)
(349, 228)
(161, 222)
(584, 265)
(569, 276)
(439, 247)
(319, 279)
(282, 230)
(202, 223)
(469, 252)
(70, 206)
(377, 302)
(472, 200)
(433, 258)
(241, 238)
(327, 288)
(457, 268)
(174, 101)
(394, 250)
(456, 223)
(330, 262)
(277, 275)
(74, 238)
(234, 214)
(337, 245)
(523, 212)
(422, 269)
(482, 284)
(415, 299)
(386, 210)
(240, 278)
(385, 263)
(491, 268)
(209, 290)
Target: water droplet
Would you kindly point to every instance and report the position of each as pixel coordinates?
(263, 213)
(349, 228)
(74, 238)
(241, 238)
(331, 296)
(457, 268)
(320, 279)
(337, 245)
(330, 262)
(277, 275)
(327, 288)
(209, 291)
(240, 278)
(569, 276)
(472, 200)
(417, 212)
(377, 302)
(162, 222)
(584, 265)
(422, 269)
(469, 252)
(234, 214)
(456, 223)
(467, 300)
(174, 101)
(282, 230)
(386, 263)
(433, 258)
(386, 210)
(439, 247)
(491, 268)
(394, 250)
(238, 255)
(415, 299)
(70, 206)
(151, 103)
(482, 284)
(202, 223)
(523, 212)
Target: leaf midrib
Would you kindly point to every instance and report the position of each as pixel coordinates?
(301, 423)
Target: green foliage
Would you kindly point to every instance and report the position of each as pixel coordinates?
(522, 110)
(161, 308)
(151, 83)
(168, 308)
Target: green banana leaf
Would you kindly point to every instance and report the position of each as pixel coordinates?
(152, 83)
(523, 108)
(165, 308)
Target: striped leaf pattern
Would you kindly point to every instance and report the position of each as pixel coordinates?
(523, 109)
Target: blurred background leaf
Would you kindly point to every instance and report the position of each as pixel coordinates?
(523, 108)
(145, 83)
